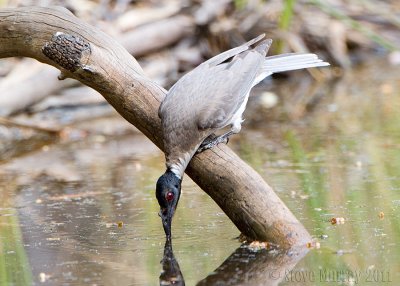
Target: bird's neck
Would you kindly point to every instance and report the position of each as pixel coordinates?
(178, 165)
(172, 176)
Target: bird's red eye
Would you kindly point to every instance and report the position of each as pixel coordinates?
(169, 196)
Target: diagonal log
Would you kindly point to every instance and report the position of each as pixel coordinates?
(56, 37)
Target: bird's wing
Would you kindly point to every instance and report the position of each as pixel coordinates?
(220, 58)
(209, 95)
(228, 86)
(189, 83)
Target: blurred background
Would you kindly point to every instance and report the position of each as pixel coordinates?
(77, 203)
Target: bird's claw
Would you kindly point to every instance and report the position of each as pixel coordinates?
(212, 142)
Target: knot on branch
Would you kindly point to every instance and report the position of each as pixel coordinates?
(67, 50)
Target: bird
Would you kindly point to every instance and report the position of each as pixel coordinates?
(211, 97)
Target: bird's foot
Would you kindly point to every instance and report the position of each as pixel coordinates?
(213, 140)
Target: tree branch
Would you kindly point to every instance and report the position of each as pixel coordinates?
(56, 37)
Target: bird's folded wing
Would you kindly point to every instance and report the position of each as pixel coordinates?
(228, 86)
(220, 58)
(202, 77)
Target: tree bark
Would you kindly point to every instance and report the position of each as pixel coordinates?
(56, 37)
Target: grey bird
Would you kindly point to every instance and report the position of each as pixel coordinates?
(208, 98)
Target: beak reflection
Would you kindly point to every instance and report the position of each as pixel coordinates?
(171, 273)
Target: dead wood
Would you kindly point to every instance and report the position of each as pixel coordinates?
(157, 35)
(78, 96)
(56, 37)
(142, 15)
(28, 83)
(17, 139)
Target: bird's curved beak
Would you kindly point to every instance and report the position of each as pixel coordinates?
(166, 218)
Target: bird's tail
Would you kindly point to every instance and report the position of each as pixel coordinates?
(288, 62)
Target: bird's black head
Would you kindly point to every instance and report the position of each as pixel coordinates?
(168, 191)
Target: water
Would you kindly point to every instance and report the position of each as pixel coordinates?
(84, 212)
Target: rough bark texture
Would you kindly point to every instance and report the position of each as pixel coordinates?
(55, 37)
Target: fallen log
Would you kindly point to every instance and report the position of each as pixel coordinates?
(25, 86)
(155, 36)
(56, 37)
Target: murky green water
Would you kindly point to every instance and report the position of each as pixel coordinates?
(84, 212)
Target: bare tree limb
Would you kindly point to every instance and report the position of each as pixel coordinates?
(55, 37)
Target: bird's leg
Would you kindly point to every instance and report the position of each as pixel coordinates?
(213, 140)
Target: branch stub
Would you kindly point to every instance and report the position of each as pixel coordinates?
(67, 51)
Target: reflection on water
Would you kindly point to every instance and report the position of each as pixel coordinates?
(171, 273)
(84, 212)
(248, 267)
(245, 266)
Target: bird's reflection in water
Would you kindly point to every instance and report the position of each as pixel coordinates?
(243, 267)
(171, 273)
